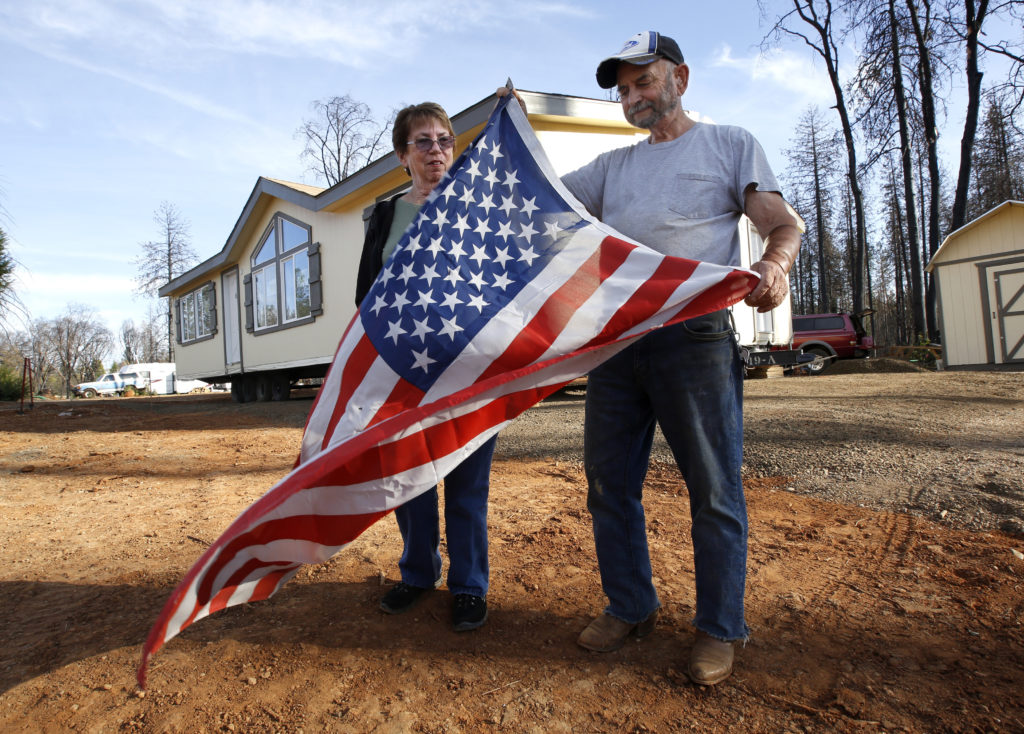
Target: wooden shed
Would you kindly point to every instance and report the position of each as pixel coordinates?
(979, 275)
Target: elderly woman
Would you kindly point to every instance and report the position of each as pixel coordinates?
(424, 143)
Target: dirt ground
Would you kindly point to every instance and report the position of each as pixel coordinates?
(878, 599)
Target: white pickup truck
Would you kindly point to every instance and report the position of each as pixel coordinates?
(110, 384)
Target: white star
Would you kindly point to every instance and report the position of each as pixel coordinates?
(436, 246)
(481, 144)
(507, 204)
(449, 191)
(450, 328)
(386, 276)
(491, 176)
(429, 273)
(478, 302)
(456, 251)
(400, 302)
(487, 203)
(422, 360)
(502, 257)
(551, 229)
(451, 300)
(424, 300)
(528, 206)
(479, 254)
(510, 179)
(454, 277)
(527, 255)
(462, 224)
(496, 152)
(481, 227)
(478, 281)
(467, 197)
(526, 231)
(414, 243)
(421, 329)
(394, 331)
(378, 305)
(473, 170)
(441, 218)
(505, 230)
(407, 273)
(501, 281)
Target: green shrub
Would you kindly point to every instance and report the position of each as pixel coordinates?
(10, 383)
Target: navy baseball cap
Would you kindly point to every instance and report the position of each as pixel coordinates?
(643, 48)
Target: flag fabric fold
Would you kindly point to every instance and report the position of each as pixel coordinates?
(501, 291)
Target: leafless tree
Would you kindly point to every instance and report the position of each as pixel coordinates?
(164, 259)
(811, 180)
(132, 342)
(819, 25)
(75, 340)
(341, 137)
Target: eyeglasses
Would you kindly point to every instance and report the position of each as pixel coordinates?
(425, 145)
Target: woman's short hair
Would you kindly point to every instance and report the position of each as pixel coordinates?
(413, 114)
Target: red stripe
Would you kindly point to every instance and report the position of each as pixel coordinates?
(357, 365)
(329, 530)
(403, 396)
(536, 338)
(726, 292)
(330, 370)
(647, 299)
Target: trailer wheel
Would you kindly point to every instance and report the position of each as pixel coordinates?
(264, 391)
(821, 361)
(280, 386)
(243, 389)
(129, 392)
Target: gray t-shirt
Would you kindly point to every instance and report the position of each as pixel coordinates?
(683, 197)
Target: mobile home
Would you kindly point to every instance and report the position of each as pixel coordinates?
(271, 306)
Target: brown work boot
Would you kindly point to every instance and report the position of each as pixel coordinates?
(607, 633)
(710, 660)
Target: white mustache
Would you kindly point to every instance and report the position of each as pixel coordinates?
(639, 107)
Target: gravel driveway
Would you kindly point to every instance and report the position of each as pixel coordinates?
(948, 446)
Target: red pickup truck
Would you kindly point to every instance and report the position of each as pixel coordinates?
(831, 336)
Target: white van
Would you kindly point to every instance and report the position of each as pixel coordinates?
(157, 377)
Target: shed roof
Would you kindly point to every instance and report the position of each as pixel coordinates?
(947, 245)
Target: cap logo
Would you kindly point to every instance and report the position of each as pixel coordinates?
(629, 45)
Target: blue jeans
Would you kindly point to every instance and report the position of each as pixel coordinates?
(465, 519)
(689, 378)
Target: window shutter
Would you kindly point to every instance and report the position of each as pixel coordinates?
(177, 320)
(249, 321)
(213, 308)
(316, 291)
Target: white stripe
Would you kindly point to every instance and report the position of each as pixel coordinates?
(327, 397)
(592, 316)
(365, 402)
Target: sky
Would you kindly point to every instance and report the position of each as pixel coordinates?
(111, 107)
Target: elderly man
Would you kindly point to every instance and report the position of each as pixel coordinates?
(682, 192)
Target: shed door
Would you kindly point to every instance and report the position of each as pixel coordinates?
(232, 333)
(1008, 317)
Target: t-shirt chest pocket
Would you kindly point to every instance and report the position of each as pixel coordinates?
(700, 196)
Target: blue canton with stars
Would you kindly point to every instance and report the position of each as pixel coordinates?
(490, 226)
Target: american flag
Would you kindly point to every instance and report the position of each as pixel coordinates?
(501, 291)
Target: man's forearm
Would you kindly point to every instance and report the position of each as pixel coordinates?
(782, 245)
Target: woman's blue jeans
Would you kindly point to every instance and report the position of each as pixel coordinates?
(465, 520)
(689, 378)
